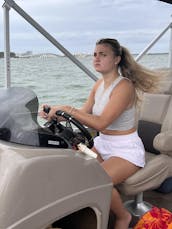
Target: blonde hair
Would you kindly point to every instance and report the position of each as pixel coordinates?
(144, 79)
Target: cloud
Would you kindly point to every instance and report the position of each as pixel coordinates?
(78, 24)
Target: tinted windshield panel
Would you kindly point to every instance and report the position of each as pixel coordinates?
(18, 116)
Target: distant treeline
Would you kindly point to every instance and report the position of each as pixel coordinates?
(12, 54)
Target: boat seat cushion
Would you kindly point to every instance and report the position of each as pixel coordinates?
(149, 177)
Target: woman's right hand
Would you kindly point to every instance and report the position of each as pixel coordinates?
(45, 109)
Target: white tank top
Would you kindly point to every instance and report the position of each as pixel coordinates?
(126, 120)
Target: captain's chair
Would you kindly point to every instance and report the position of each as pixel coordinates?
(155, 129)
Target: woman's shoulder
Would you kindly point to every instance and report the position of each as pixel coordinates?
(124, 85)
(125, 82)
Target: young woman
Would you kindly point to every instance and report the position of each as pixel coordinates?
(110, 109)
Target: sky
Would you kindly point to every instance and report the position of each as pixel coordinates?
(78, 24)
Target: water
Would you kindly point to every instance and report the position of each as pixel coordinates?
(56, 80)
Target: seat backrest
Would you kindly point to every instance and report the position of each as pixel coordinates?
(167, 123)
(166, 81)
(154, 116)
(163, 141)
(155, 112)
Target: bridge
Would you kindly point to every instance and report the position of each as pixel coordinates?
(41, 55)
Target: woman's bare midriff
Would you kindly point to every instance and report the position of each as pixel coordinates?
(118, 132)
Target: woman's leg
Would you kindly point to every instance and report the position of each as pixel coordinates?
(119, 170)
(122, 216)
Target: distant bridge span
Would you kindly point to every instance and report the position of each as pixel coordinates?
(39, 55)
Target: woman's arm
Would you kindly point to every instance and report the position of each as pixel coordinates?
(121, 98)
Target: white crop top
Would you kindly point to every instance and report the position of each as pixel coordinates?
(126, 120)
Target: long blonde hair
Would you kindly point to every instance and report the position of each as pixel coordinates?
(144, 80)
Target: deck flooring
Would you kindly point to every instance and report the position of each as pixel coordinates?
(158, 199)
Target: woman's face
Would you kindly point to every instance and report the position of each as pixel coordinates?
(104, 60)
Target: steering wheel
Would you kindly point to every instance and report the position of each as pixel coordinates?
(76, 123)
(67, 131)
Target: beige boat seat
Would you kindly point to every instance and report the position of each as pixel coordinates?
(155, 129)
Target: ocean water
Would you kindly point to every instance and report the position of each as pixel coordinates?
(56, 80)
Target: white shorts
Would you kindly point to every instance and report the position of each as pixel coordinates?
(128, 147)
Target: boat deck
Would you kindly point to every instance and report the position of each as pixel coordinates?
(161, 200)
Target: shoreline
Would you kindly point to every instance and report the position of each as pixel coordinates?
(14, 55)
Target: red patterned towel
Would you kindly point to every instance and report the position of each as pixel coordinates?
(156, 218)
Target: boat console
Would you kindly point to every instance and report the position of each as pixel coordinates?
(44, 182)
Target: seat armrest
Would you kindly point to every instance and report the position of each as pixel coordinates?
(163, 142)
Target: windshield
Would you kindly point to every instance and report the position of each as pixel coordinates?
(18, 116)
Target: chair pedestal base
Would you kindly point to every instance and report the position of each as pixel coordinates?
(137, 209)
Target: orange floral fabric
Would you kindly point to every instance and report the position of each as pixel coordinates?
(156, 218)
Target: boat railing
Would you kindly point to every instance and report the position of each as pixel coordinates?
(155, 40)
(11, 4)
(8, 4)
